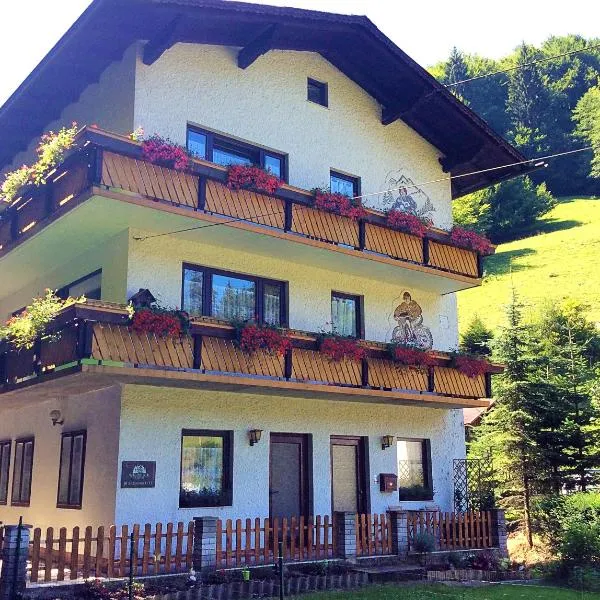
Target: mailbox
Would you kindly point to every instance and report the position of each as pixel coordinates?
(388, 482)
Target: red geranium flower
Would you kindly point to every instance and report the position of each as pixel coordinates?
(403, 221)
(339, 204)
(253, 338)
(162, 151)
(148, 321)
(470, 366)
(413, 356)
(338, 348)
(252, 177)
(470, 239)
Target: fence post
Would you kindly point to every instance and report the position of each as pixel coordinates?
(14, 561)
(344, 524)
(399, 521)
(499, 534)
(204, 555)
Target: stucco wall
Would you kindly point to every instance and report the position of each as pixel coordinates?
(152, 420)
(111, 257)
(107, 103)
(96, 412)
(156, 264)
(266, 104)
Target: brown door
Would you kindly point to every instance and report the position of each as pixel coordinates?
(289, 477)
(349, 491)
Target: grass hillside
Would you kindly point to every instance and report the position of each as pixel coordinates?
(560, 260)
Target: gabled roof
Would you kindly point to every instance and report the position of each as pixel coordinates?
(351, 43)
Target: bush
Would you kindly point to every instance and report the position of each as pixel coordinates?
(580, 543)
(424, 543)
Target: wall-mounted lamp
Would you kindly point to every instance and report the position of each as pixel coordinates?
(386, 441)
(254, 435)
(56, 417)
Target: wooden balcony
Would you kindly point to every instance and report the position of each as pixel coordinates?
(112, 166)
(94, 337)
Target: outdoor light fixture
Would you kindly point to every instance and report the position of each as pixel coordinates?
(254, 435)
(56, 417)
(386, 441)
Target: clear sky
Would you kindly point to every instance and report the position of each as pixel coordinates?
(425, 29)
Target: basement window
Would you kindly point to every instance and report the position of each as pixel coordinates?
(317, 92)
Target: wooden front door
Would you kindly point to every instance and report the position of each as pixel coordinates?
(289, 485)
(349, 477)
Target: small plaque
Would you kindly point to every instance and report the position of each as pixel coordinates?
(138, 473)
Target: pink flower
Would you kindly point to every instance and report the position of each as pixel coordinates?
(252, 177)
(339, 204)
(470, 239)
(403, 221)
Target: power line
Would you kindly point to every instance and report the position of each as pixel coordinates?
(522, 66)
(539, 162)
(416, 185)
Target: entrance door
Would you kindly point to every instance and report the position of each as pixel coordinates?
(289, 480)
(349, 476)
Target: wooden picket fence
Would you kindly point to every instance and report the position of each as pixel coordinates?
(109, 552)
(373, 534)
(255, 542)
(454, 531)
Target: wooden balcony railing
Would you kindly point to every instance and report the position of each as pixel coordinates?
(98, 333)
(107, 161)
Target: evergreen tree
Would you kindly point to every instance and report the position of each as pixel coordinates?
(477, 338)
(456, 70)
(526, 102)
(587, 118)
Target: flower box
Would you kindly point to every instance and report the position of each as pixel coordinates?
(412, 357)
(339, 204)
(407, 223)
(471, 366)
(252, 338)
(338, 348)
(252, 178)
(162, 151)
(471, 240)
(160, 322)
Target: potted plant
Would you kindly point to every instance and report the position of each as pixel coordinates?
(252, 177)
(251, 337)
(411, 356)
(470, 365)
(406, 222)
(472, 240)
(339, 204)
(338, 348)
(162, 151)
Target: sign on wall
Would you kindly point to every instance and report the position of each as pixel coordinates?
(138, 473)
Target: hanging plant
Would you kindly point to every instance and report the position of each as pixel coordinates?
(22, 330)
(339, 204)
(403, 221)
(244, 177)
(338, 348)
(50, 151)
(470, 366)
(160, 321)
(470, 239)
(162, 151)
(252, 337)
(411, 357)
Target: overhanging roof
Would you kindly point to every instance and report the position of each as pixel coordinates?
(351, 43)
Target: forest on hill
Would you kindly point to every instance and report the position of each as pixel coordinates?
(542, 107)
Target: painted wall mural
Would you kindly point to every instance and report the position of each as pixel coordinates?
(405, 197)
(410, 330)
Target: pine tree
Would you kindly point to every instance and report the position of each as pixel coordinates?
(456, 70)
(477, 338)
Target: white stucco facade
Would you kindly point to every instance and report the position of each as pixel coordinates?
(266, 104)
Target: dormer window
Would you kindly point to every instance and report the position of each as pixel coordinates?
(226, 151)
(317, 92)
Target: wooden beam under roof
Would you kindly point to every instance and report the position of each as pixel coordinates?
(257, 47)
(157, 46)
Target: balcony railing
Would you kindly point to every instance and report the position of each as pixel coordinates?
(96, 333)
(107, 162)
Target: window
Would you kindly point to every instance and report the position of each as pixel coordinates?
(344, 184)
(206, 468)
(227, 151)
(231, 296)
(89, 286)
(22, 470)
(317, 92)
(347, 315)
(414, 470)
(70, 474)
(4, 470)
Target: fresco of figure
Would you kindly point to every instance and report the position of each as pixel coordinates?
(410, 330)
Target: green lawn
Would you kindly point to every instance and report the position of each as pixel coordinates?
(440, 592)
(560, 261)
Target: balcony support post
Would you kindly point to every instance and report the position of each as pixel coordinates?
(431, 379)
(488, 385)
(197, 359)
(201, 193)
(289, 215)
(85, 339)
(425, 250)
(95, 167)
(365, 372)
(362, 235)
(288, 364)
(479, 265)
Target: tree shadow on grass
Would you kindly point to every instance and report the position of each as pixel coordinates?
(505, 261)
(551, 225)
